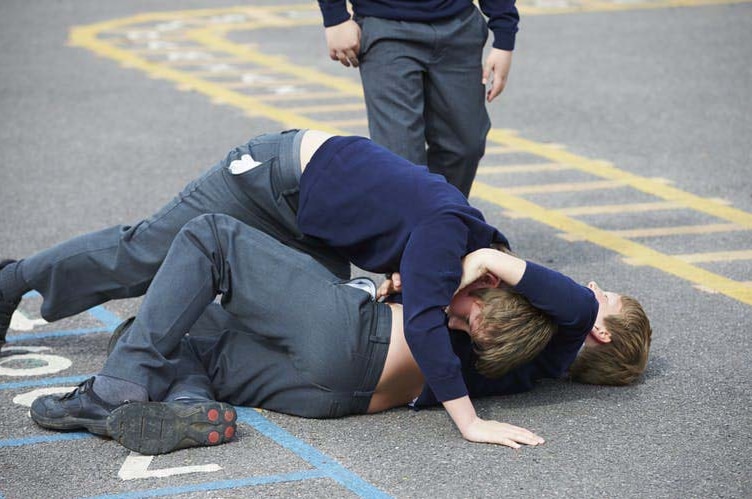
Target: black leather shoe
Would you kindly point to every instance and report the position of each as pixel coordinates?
(118, 333)
(6, 309)
(162, 427)
(79, 409)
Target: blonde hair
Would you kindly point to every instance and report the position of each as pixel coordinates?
(511, 331)
(624, 358)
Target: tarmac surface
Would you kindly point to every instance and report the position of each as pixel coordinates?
(620, 152)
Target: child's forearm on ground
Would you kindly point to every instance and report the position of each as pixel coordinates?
(461, 411)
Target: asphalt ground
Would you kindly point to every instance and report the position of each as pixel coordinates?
(652, 100)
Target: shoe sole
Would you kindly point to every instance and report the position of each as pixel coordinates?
(161, 427)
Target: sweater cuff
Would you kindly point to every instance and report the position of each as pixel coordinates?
(504, 40)
(334, 13)
(449, 388)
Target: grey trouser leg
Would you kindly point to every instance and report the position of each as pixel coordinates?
(282, 297)
(422, 85)
(121, 261)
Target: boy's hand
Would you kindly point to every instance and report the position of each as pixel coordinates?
(473, 268)
(497, 64)
(475, 429)
(343, 41)
(494, 432)
(391, 286)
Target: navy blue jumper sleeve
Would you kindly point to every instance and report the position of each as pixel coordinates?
(502, 14)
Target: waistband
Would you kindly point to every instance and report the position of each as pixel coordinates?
(376, 352)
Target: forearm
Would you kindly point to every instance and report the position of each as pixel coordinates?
(461, 411)
(506, 267)
(475, 429)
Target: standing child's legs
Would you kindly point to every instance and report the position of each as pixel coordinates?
(422, 86)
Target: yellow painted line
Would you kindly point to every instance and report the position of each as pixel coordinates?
(606, 170)
(300, 95)
(490, 149)
(716, 256)
(532, 168)
(676, 230)
(565, 187)
(354, 106)
(282, 64)
(608, 209)
(679, 230)
(634, 253)
(347, 123)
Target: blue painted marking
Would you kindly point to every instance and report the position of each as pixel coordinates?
(59, 334)
(43, 439)
(331, 467)
(219, 485)
(105, 316)
(67, 381)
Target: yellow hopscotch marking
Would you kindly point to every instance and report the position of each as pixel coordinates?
(716, 256)
(565, 187)
(213, 39)
(634, 253)
(346, 123)
(355, 106)
(608, 171)
(300, 95)
(531, 168)
(678, 230)
(491, 149)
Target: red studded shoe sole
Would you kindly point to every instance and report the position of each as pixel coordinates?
(162, 427)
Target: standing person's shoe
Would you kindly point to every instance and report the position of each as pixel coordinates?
(79, 409)
(162, 427)
(6, 309)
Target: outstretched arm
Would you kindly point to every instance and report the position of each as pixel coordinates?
(475, 429)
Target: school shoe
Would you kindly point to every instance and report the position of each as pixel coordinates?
(162, 427)
(6, 309)
(79, 409)
(118, 333)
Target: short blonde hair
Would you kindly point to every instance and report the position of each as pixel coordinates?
(624, 358)
(511, 331)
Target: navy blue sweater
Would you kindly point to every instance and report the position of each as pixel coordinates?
(386, 214)
(571, 306)
(502, 14)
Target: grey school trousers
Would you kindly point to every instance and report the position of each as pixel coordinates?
(422, 86)
(120, 262)
(292, 337)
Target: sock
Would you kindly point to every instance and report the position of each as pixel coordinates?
(116, 391)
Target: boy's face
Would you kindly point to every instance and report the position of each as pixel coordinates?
(609, 303)
(464, 310)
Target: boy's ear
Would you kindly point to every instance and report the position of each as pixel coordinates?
(491, 280)
(600, 334)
